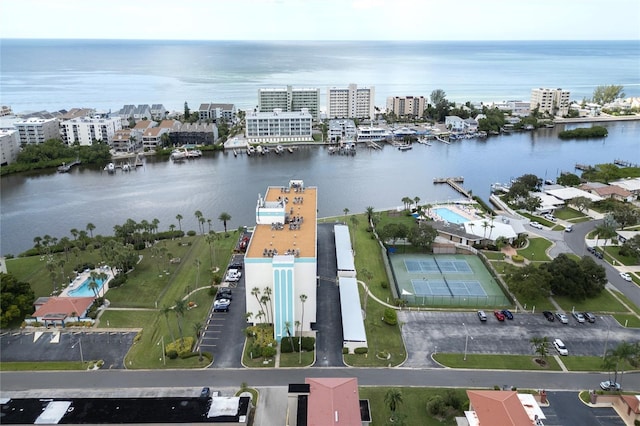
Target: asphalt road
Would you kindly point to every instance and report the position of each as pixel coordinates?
(114, 379)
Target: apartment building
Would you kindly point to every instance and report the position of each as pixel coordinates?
(290, 99)
(86, 130)
(406, 106)
(550, 101)
(214, 112)
(341, 130)
(37, 130)
(279, 126)
(351, 102)
(9, 146)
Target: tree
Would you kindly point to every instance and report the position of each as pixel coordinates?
(187, 113)
(255, 291)
(197, 263)
(607, 94)
(422, 235)
(625, 215)
(179, 219)
(287, 329)
(581, 203)
(16, 301)
(393, 399)
(303, 299)
(93, 284)
(211, 239)
(623, 353)
(346, 211)
(530, 283)
(416, 200)
(568, 179)
(197, 328)
(180, 308)
(198, 215)
(369, 211)
(438, 97)
(90, 228)
(224, 218)
(540, 346)
(406, 201)
(165, 311)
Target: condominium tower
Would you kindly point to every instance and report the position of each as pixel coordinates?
(551, 101)
(351, 102)
(403, 106)
(289, 100)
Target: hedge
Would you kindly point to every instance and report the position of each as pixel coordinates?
(390, 316)
(360, 351)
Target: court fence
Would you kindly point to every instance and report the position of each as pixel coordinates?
(456, 301)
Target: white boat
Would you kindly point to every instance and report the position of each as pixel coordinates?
(126, 167)
(405, 147)
(111, 168)
(194, 153)
(290, 149)
(265, 150)
(260, 149)
(251, 150)
(279, 149)
(178, 154)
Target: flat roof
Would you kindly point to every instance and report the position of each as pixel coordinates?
(352, 322)
(302, 238)
(344, 252)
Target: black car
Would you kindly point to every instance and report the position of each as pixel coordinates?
(589, 316)
(507, 313)
(205, 393)
(548, 315)
(236, 265)
(224, 293)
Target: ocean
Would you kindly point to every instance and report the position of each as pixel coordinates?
(107, 74)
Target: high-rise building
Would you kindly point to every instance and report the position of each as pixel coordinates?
(289, 99)
(351, 102)
(9, 146)
(86, 130)
(550, 101)
(403, 106)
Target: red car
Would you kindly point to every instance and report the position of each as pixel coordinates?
(499, 315)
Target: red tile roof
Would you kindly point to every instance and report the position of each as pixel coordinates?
(633, 401)
(333, 401)
(64, 305)
(498, 408)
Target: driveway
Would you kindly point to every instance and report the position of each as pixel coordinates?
(427, 332)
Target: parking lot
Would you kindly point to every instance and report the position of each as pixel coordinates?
(223, 334)
(427, 332)
(566, 409)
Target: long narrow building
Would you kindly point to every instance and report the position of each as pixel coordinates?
(281, 259)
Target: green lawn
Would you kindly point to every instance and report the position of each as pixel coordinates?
(568, 213)
(293, 359)
(127, 319)
(43, 366)
(627, 301)
(589, 363)
(605, 302)
(627, 320)
(536, 250)
(493, 255)
(413, 405)
(498, 362)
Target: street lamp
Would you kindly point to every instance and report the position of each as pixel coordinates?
(466, 340)
(79, 343)
(164, 359)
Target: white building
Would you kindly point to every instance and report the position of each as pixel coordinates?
(37, 130)
(402, 106)
(351, 102)
(454, 123)
(281, 259)
(86, 130)
(289, 99)
(341, 130)
(9, 146)
(519, 108)
(278, 126)
(214, 112)
(551, 101)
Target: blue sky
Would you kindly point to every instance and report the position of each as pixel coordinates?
(322, 19)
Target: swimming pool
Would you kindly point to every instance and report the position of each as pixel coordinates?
(449, 215)
(85, 291)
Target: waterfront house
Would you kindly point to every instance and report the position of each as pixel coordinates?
(9, 146)
(57, 311)
(194, 134)
(630, 184)
(122, 141)
(215, 112)
(341, 130)
(279, 126)
(470, 125)
(613, 192)
(86, 130)
(140, 112)
(454, 123)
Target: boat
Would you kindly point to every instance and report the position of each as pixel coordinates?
(235, 153)
(265, 150)
(251, 150)
(178, 154)
(126, 167)
(279, 149)
(405, 147)
(110, 168)
(194, 153)
(290, 149)
(332, 150)
(529, 127)
(260, 149)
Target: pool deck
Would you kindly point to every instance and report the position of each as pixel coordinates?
(85, 275)
(466, 211)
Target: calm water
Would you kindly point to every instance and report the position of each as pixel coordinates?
(55, 203)
(55, 74)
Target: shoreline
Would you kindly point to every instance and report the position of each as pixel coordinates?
(599, 119)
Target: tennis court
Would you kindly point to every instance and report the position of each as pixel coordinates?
(445, 280)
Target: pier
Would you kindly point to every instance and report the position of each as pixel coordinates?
(65, 168)
(583, 167)
(372, 144)
(454, 182)
(623, 163)
(438, 138)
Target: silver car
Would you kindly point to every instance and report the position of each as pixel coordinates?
(562, 318)
(578, 316)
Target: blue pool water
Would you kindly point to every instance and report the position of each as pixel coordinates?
(450, 216)
(85, 291)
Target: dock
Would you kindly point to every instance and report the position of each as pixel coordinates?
(455, 183)
(438, 138)
(372, 144)
(623, 163)
(582, 167)
(65, 168)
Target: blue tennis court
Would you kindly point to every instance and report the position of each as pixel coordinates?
(444, 265)
(438, 287)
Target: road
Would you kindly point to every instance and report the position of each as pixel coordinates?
(118, 379)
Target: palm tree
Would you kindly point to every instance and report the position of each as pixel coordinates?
(179, 219)
(102, 276)
(165, 311)
(268, 292)
(210, 239)
(287, 329)
(346, 211)
(74, 233)
(224, 217)
(154, 224)
(180, 308)
(354, 222)
(540, 346)
(368, 275)
(393, 399)
(624, 352)
(90, 228)
(197, 328)
(202, 220)
(369, 211)
(93, 285)
(209, 223)
(255, 291)
(407, 202)
(303, 299)
(197, 263)
(198, 215)
(36, 243)
(172, 227)
(416, 200)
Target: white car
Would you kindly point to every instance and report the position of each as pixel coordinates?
(550, 217)
(221, 305)
(560, 347)
(233, 275)
(625, 276)
(535, 225)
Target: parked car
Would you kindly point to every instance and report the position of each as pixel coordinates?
(591, 249)
(548, 315)
(569, 228)
(499, 315)
(535, 225)
(221, 305)
(589, 316)
(482, 316)
(610, 386)
(224, 293)
(507, 313)
(233, 275)
(562, 318)
(550, 217)
(578, 316)
(597, 254)
(560, 347)
(205, 393)
(625, 276)
(236, 265)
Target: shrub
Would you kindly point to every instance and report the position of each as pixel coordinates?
(360, 351)
(255, 351)
(345, 351)
(436, 406)
(191, 233)
(172, 354)
(118, 281)
(384, 284)
(308, 343)
(286, 346)
(268, 352)
(181, 346)
(390, 316)
(517, 258)
(452, 399)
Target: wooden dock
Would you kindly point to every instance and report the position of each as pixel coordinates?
(65, 168)
(623, 163)
(582, 167)
(454, 182)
